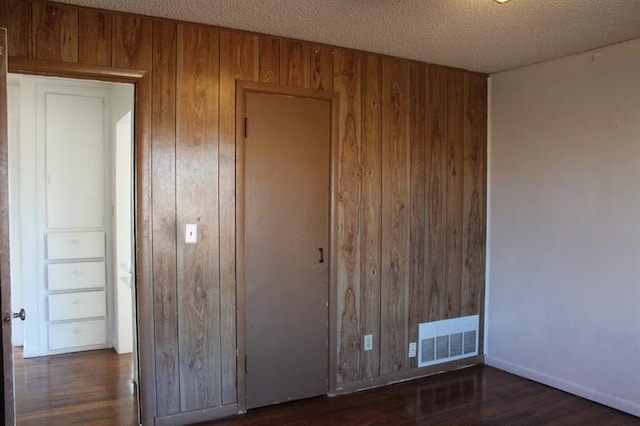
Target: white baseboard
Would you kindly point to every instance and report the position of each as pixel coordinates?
(609, 400)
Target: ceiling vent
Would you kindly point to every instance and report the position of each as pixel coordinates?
(448, 340)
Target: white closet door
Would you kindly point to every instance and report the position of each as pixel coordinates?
(74, 161)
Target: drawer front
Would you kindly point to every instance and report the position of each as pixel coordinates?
(88, 304)
(72, 276)
(75, 245)
(76, 334)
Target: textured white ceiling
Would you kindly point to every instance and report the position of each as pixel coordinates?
(478, 35)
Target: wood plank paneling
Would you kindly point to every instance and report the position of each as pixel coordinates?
(321, 67)
(410, 193)
(474, 208)
(197, 202)
(371, 211)
(15, 16)
(164, 217)
(131, 42)
(436, 187)
(294, 63)
(418, 205)
(348, 82)
(269, 60)
(94, 41)
(239, 59)
(55, 32)
(140, 56)
(455, 137)
(395, 215)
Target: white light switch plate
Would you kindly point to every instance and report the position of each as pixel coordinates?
(368, 342)
(191, 233)
(412, 350)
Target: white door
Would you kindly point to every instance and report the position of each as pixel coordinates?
(5, 284)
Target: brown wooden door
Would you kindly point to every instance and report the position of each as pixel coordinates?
(5, 281)
(287, 196)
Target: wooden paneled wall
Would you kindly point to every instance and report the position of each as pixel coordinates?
(411, 205)
(410, 196)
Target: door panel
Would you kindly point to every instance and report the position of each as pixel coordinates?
(74, 160)
(5, 282)
(287, 189)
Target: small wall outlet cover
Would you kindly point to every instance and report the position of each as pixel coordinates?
(412, 350)
(368, 342)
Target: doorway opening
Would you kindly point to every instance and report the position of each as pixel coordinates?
(72, 235)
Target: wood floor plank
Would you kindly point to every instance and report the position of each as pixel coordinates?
(95, 388)
(87, 388)
(471, 396)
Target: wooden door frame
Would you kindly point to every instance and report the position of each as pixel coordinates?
(5, 277)
(142, 204)
(242, 88)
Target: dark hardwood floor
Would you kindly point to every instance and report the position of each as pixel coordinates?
(83, 388)
(95, 388)
(472, 396)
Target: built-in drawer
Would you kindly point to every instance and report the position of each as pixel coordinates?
(86, 304)
(77, 334)
(75, 245)
(75, 276)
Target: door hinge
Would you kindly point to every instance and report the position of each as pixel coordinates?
(245, 126)
(246, 368)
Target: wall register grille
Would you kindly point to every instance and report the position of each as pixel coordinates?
(448, 340)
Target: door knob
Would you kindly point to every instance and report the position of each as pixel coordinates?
(22, 315)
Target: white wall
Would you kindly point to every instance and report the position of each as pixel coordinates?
(13, 99)
(122, 99)
(122, 105)
(22, 106)
(564, 252)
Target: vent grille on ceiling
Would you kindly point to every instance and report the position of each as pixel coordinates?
(448, 340)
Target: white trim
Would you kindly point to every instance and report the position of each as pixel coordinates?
(487, 247)
(609, 400)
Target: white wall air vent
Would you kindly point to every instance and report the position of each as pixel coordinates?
(448, 340)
